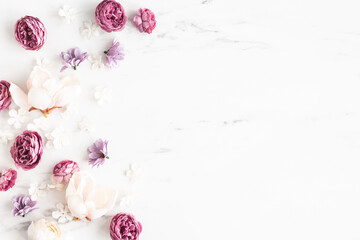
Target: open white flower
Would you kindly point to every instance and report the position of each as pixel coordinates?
(87, 125)
(68, 13)
(58, 138)
(62, 213)
(86, 200)
(89, 29)
(44, 230)
(38, 124)
(96, 61)
(17, 118)
(46, 92)
(103, 95)
(6, 136)
(37, 191)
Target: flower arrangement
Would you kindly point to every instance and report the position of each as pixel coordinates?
(85, 200)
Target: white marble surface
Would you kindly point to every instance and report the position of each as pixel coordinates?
(244, 116)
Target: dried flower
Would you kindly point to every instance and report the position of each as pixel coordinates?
(44, 230)
(7, 179)
(96, 61)
(68, 13)
(98, 152)
(145, 20)
(110, 16)
(27, 150)
(5, 96)
(72, 58)
(38, 124)
(114, 55)
(17, 118)
(64, 170)
(22, 205)
(124, 226)
(43, 63)
(58, 138)
(89, 29)
(37, 191)
(6, 136)
(62, 213)
(103, 95)
(46, 93)
(30, 32)
(86, 200)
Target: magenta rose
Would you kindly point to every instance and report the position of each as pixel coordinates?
(7, 179)
(5, 97)
(64, 170)
(110, 16)
(27, 150)
(30, 32)
(145, 20)
(124, 227)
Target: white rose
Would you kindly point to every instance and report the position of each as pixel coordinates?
(86, 200)
(44, 230)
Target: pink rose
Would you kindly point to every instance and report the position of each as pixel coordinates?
(110, 16)
(5, 96)
(7, 179)
(124, 227)
(30, 32)
(64, 170)
(27, 150)
(145, 20)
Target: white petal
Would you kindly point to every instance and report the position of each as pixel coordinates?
(37, 77)
(77, 207)
(19, 96)
(66, 95)
(56, 214)
(104, 199)
(52, 85)
(39, 98)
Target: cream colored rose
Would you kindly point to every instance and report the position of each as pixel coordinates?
(44, 230)
(86, 200)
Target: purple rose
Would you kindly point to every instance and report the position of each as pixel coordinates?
(124, 227)
(7, 179)
(110, 16)
(27, 150)
(145, 20)
(64, 170)
(30, 32)
(5, 97)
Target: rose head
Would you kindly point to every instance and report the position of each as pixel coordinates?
(124, 227)
(7, 179)
(5, 96)
(27, 150)
(30, 32)
(64, 170)
(110, 16)
(145, 20)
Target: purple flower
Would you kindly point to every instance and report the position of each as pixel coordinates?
(30, 32)
(22, 205)
(145, 20)
(7, 179)
(98, 152)
(72, 58)
(124, 226)
(5, 96)
(114, 54)
(64, 170)
(27, 150)
(110, 16)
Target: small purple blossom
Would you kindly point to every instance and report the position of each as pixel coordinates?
(114, 55)
(98, 152)
(72, 58)
(22, 205)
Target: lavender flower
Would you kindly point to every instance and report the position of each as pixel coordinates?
(23, 205)
(114, 54)
(72, 58)
(98, 152)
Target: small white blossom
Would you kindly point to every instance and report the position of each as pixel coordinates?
(6, 136)
(89, 29)
(38, 124)
(68, 13)
(57, 138)
(43, 63)
(70, 111)
(87, 125)
(103, 95)
(55, 185)
(17, 118)
(37, 190)
(96, 61)
(134, 172)
(62, 213)
(126, 200)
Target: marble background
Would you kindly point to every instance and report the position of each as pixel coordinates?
(243, 115)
